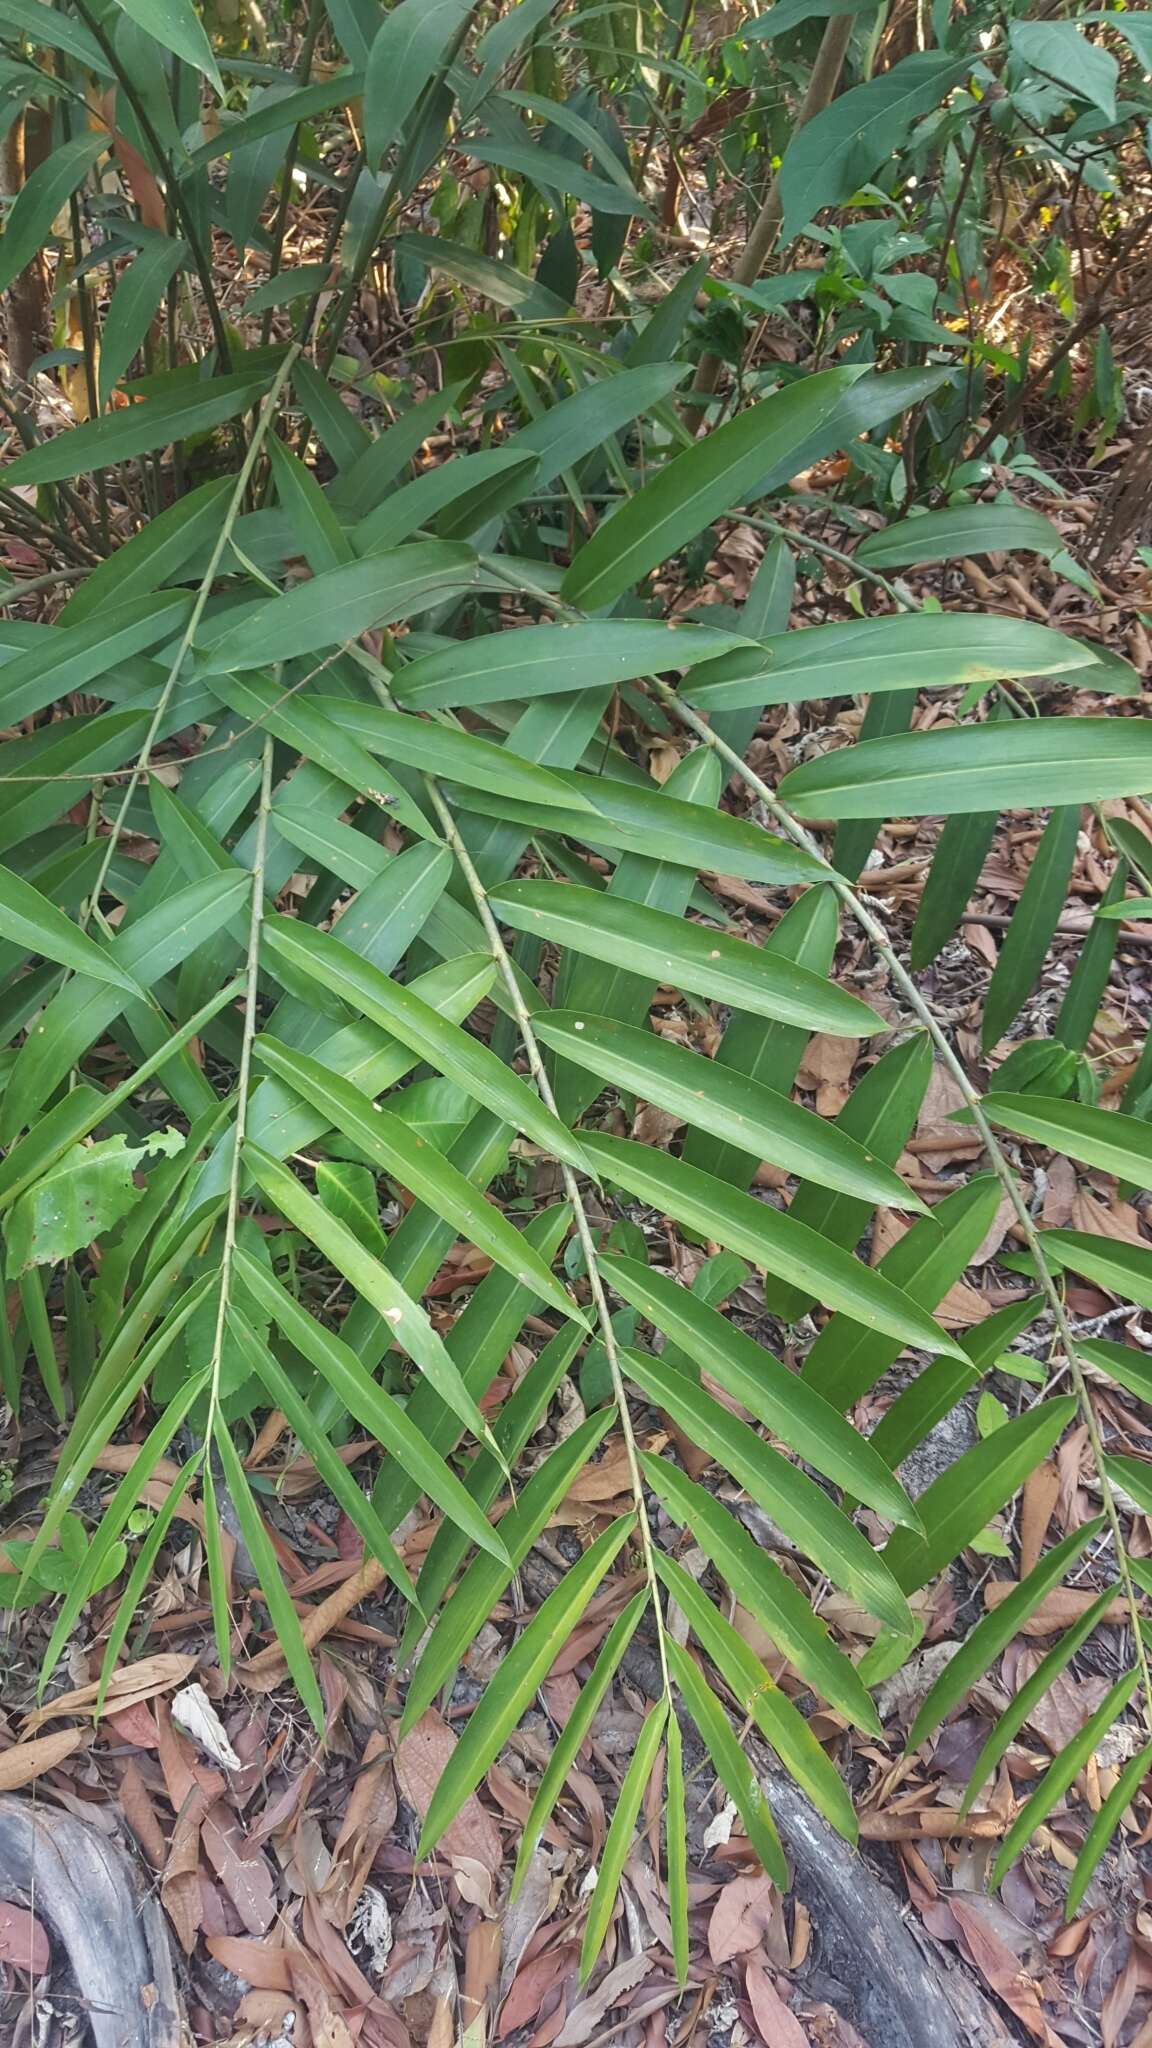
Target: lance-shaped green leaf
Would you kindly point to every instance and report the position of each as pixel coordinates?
(778, 1398)
(1121, 1362)
(844, 144)
(285, 1396)
(193, 408)
(676, 1852)
(283, 1615)
(76, 657)
(767, 1237)
(995, 1631)
(782, 1610)
(1100, 1137)
(30, 921)
(461, 756)
(155, 555)
(543, 661)
(410, 45)
(1034, 920)
(1104, 1826)
(762, 1700)
(958, 1505)
(29, 222)
(582, 424)
(133, 307)
(696, 486)
(1062, 1773)
(418, 1166)
(322, 538)
(386, 1418)
(690, 956)
(464, 1614)
(733, 1768)
(714, 1098)
(924, 1263)
(913, 651)
(82, 1196)
(413, 1331)
(500, 282)
(1019, 766)
(795, 1502)
(338, 606)
(1135, 1477)
(960, 530)
(934, 1392)
(879, 1115)
(322, 959)
(508, 1693)
(574, 1731)
(1124, 1269)
(961, 851)
(625, 1809)
(176, 25)
(659, 825)
(1033, 1690)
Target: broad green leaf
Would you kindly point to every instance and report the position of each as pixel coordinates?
(405, 1317)
(879, 1115)
(1100, 1137)
(784, 1403)
(193, 408)
(501, 1704)
(841, 147)
(78, 1200)
(133, 307)
(322, 539)
(625, 1808)
(782, 1610)
(733, 1768)
(583, 424)
(1020, 766)
(1135, 1477)
(1025, 943)
(281, 288)
(464, 1059)
(913, 651)
(446, 751)
(711, 477)
(691, 956)
(1033, 1690)
(28, 225)
(1062, 1773)
(660, 826)
(995, 1631)
(417, 1166)
(962, 1502)
(543, 661)
(480, 1587)
(794, 1501)
(1078, 1013)
(576, 1727)
(546, 167)
(960, 530)
(376, 1410)
(274, 116)
(454, 499)
(766, 1236)
(280, 1609)
(30, 921)
(1104, 1826)
(337, 607)
(282, 1392)
(733, 1108)
(1124, 1269)
(1056, 49)
(769, 1054)
(56, 32)
(761, 1700)
(411, 44)
(935, 1391)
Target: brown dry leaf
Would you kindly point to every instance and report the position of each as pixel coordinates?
(1109, 1219)
(141, 1815)
(1058, 1610)
(180, 1887)
(420, 1763)
(262, 1965)
(246, 1879)
(28, 1760)
(1041, 1492)
(535, 1988)
(368, 1818)
(1059, 1204)
(740, 1917)
(998, 1966)
(827, 1067)
(481, 1972)
(23, 1942)
(129, 1685)
(584, 2019)
(778, 2026)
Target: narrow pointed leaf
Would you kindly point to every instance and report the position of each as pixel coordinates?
(619, 1840)
(1061, 1774)
(958, 1505)
(283, 1615)
(1001, 766)
(732, 1767)
(1100, 1137)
